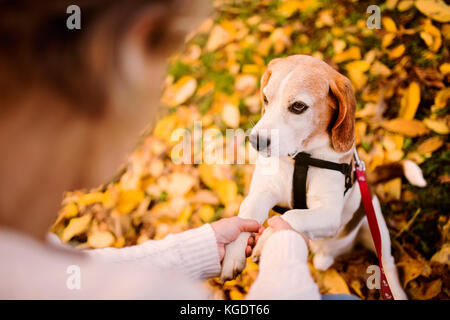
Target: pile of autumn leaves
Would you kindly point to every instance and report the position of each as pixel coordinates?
(400, 74)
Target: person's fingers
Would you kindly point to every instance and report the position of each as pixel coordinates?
(277, 223)
(261, 230)
(251, 241)
(248, 251)
(248, 225)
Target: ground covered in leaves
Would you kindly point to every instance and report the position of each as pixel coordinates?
(400, 73)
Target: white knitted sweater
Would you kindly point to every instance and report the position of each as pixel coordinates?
(166, 269)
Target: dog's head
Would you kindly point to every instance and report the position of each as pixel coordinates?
(308, 104)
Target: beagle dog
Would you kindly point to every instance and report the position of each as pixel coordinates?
(311, 108)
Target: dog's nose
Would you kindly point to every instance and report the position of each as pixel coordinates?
(258, 142)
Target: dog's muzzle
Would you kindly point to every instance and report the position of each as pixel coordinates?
(259, 143)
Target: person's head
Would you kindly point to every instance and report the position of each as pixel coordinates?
(73, 102)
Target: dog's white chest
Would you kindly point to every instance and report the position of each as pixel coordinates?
(274, 175)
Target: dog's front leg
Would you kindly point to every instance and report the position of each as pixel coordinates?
(256, 206)
(317, 223)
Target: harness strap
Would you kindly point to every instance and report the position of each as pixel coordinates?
(299, 180)
(305, 159)
(302, 162)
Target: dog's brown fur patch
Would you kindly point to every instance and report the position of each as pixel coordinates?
(343, 128)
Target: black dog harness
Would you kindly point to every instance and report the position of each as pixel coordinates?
(302, 162)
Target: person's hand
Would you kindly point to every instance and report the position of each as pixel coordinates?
(228, 229)
(277, 224)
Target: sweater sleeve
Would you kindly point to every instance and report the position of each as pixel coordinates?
(283, 270)
(193, 252)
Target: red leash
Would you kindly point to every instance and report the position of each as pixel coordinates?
(366, 199)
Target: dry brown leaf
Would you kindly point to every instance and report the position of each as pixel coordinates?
(443, 255)
(410, 128)
(430, 145)
(426, 290)
(334, 283)
(412, 268)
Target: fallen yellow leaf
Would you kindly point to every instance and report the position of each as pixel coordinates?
(410, 128)
(437, 125)
(394, 188)
(226, 191)
(405, 5)
(396, 52)
(177, 184)
(387, 39)
(353, 53)
(379, 69)
(206, 212)
(76, 226)
(165, 127)
(100, 239)
(435, 9)
(445, 69)
(432, 36)
(91, 198)
(231, 115)
(179, 92)
(443, 255)
(440, 101)
(412, 268)
(334, 283)
(236, 295)
(207, 175)
(70, 210)
(218, 37)
(394, 155)
(389, 24)
(356, 71)
(430, 145)
(356, 285)
(128, 200)
(410, 101)
(185, 215)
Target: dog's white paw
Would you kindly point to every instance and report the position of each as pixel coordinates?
(399, 294)
(235, 259)
(390, 270)
(322, 262)
(257, 250)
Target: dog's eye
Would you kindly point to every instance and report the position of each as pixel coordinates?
(265, 99)
(298, 107)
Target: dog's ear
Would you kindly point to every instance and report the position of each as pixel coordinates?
(264, 80)
(343, 124)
